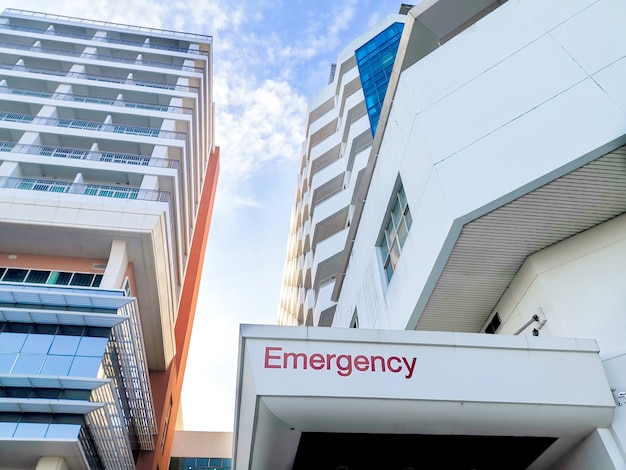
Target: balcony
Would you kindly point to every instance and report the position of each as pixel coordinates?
(106, 24)
(91, 126)
(54, 186)
(98, 77)
(95, 100)
(91, 155)
(106, 58)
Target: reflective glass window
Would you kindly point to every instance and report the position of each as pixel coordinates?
(37, 277)
(216, 462)
(227, 463)
(90, 346)
(63, 430)
(7, 429)
(28, 364)
(56, 365)
(31, 430)
(85, 366)
(64, 345)
(36, 343)
(11, 342)
(15, 275)
(6, 362)
(60, 278)
(80, 279)
(200, 462)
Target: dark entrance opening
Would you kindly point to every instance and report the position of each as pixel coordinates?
(329, 451)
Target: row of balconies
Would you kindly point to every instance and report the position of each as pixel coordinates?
(51, 68)
(118, 100)
(138, 58)
(39, 24)
(107, 126)
(323, 199)
(91, 155)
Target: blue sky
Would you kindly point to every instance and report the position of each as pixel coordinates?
(270, 57)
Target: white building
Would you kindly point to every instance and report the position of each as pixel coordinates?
(339, 138)
(495, 204)
(108, 171)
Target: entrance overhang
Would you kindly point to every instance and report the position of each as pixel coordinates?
(295, 380)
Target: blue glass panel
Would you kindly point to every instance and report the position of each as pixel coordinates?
(37, 343)
(57, 365)
(216, 462)
(28, 364)
(65, 345)
(90, 346)
(31, 430)
(202, 462)
(189, 461)
(6, 362)
(375, 62)
(69, 431)
(11, 342)
(227, 463)
(7, 429)
(85, 366)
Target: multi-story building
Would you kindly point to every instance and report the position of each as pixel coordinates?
(108, 170)
(340, 126)
(478, 294)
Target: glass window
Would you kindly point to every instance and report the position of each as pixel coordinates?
(80, 279)
(60, 278)
(37, 277)
(202, 462)
(28, 364)
(215, 462)
(85, 366)
(57, 365)
(63, 430)
(64, 345)
(90, 346)
(6, 362)
(396, 231)
(227, 463)
(31, 430)
(11, 342)
(36, 343)
(7, 429)
(15, 275)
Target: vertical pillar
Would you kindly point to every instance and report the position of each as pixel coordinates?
(116, 266)
(51, 463)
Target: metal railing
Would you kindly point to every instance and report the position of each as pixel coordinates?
(96, 100)
(92, 126)
(107, 58)
(108, 24)
(86, 37)
(54, 186)
(98, 78)
(92, 155)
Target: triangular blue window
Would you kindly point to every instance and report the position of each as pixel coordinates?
(375, 61)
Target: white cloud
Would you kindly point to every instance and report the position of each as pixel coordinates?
(258, 126)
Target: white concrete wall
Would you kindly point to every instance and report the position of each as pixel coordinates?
(527, 94)
(578, 285)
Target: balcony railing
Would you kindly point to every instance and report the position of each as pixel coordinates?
(141, 29)
(98, 78)
(92, 126)
(86, 37)
(107, 58)
(53, 186)
(96, 100)
(92, 155)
